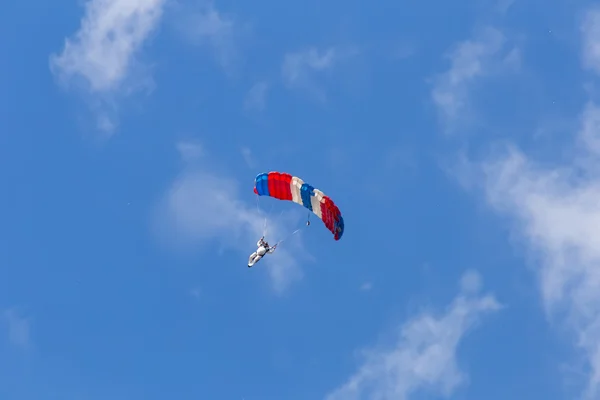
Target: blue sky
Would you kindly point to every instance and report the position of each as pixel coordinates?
(461, 142)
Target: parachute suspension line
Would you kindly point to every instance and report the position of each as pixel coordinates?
(286, 238)
(259, 211)
(266, 217)
(274, 221)
(265, 228)
(293, 233)
(278, 217)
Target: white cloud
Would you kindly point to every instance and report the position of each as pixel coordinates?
(424, 356)
(248, 158)
(299, 68)
(590, 30)
(204, 208)
(190, 151)
(403, 49)
(589, 137)
(207, 26)
(297, 65)
(557, 211)
(469, 61)
(512, 59)
(111, 33)
(471, 282)
(101, 55)
(18, 328)
(196, 292)
(502, 6)
(256, 97)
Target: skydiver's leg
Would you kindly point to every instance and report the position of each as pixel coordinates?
(251, 260)
(256, 259)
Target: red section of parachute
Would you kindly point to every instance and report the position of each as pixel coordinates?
(330, 214)
(327, 212)
(279, 185)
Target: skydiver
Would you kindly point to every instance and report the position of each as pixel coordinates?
(263, 248)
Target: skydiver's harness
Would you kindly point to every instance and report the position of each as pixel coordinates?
(263, 243)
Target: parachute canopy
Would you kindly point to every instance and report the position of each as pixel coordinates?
(284, 186)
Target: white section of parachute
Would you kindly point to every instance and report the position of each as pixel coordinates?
(316, 201)
(295, 186)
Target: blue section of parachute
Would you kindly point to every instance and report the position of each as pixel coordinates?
(339, 227)
(306, 192)
(262, 184)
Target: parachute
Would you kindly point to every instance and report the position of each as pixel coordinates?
(284, 186)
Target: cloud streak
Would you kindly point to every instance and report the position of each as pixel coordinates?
(300, 69)
(470, 61)
(256, 99)
(590, 30)
(100, 57)
(556, 211)
(424, 356)
(111, 33)
(18, 328)
(207, 26)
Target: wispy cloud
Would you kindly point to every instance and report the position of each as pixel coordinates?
(204, 25)
(190, 151)
(18, 328)
(111, 33)
(424, 356)
(248, 158)
(256, 99)
(296, 66)
(101, 54)
(590, 30)
(204, 207)
(196, 292)
(556, 210)
(502, 6)
(469, 61)
(299, 69)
